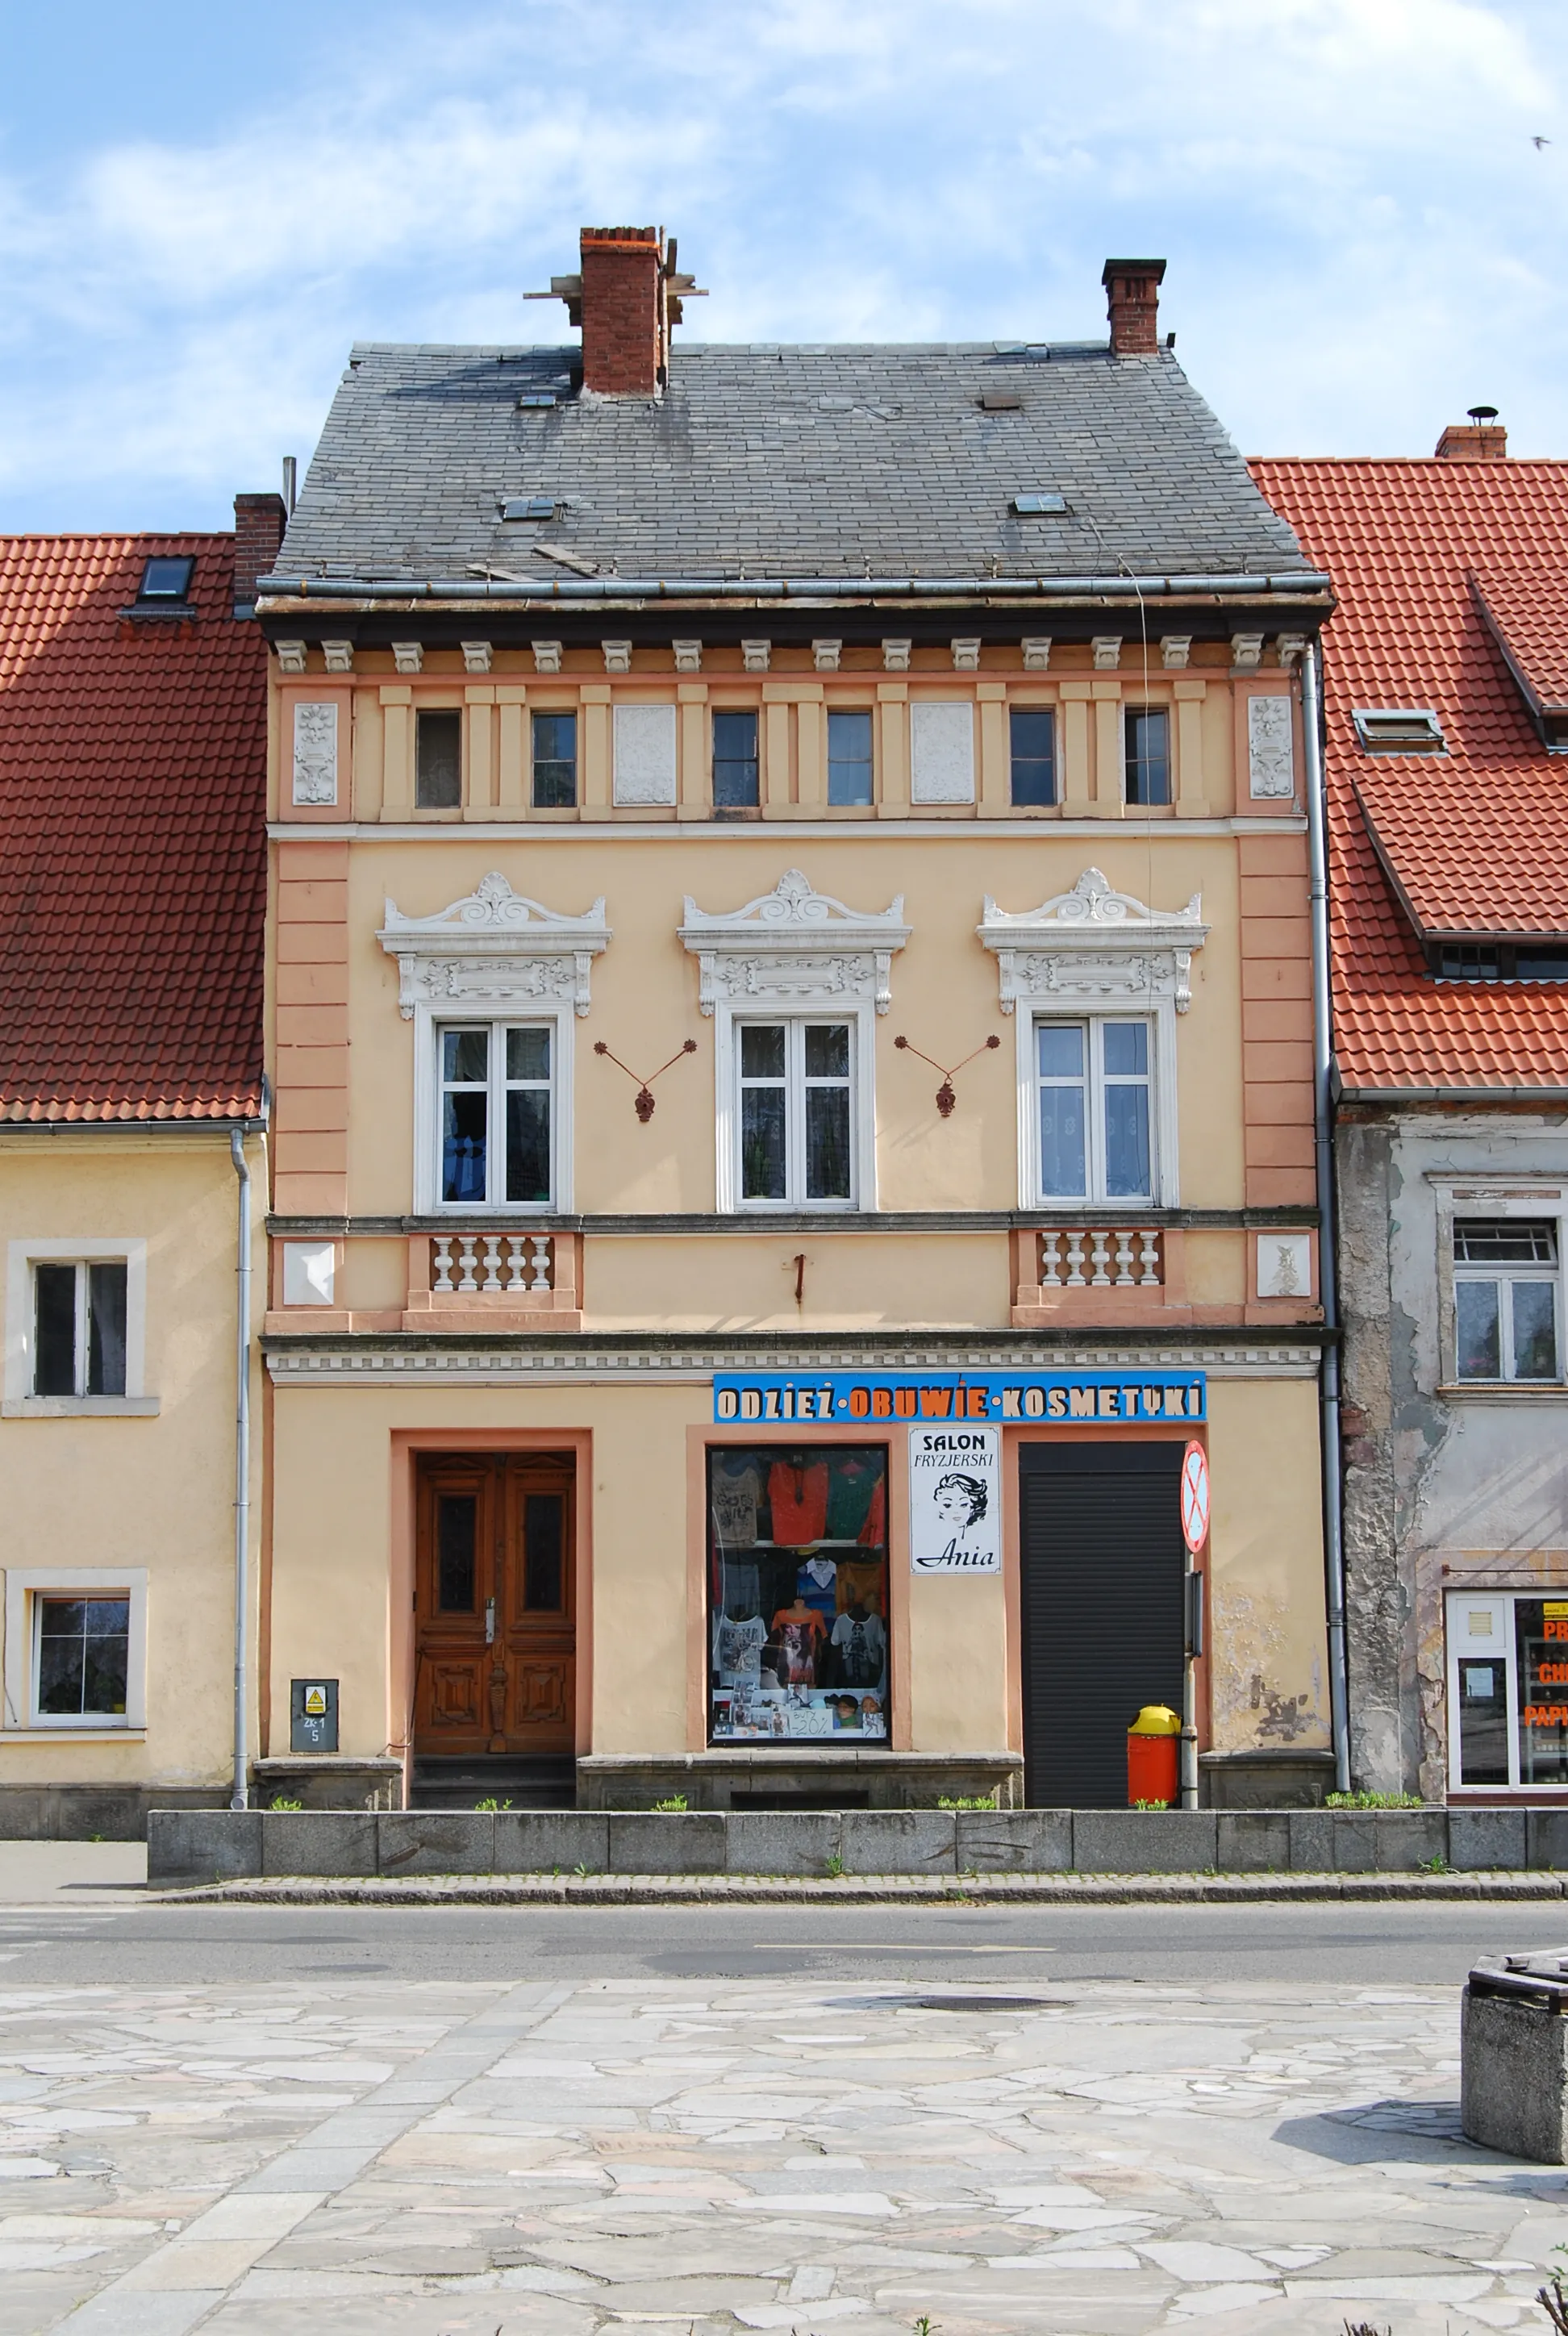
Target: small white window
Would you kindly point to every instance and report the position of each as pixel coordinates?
(1506, 1301)
(75, 1647)
(1399, 730)
(75, 1328)
(496, 1121)
(796, 1116)
(1095, 1113)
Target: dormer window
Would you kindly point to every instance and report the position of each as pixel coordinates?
(166, 579)
(1500, 960)
(1399, 730)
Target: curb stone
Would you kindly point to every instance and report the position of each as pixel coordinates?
(865, 1890)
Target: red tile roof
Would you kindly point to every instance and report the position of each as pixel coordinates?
(1527, 609)
(133, 837)
(1478, 839)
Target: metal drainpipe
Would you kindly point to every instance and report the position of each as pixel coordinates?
(241, 1796)
(1328, 1278)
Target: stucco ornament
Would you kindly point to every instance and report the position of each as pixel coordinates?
(494, 948)
(796, 945)
(1094, 942)
(316, 752)
(1270, 749)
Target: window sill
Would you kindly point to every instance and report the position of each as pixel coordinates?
(1505, 1390)
(74, 1733)
(81, 1406)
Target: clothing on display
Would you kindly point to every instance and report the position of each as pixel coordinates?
(798, 1590)
(797, 1493)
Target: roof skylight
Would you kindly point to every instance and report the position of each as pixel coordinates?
(1038, 506)
(529, 507)
(165, 579)
(1399, 730)
(537, 397)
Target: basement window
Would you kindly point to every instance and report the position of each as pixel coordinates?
(1399, 730)
(1038, 506)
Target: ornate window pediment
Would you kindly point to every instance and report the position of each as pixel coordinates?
(1093, 943)
(794, 947)
(493, 951)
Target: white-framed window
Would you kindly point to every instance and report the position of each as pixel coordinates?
(75, 1647)
(795, 1112)
(76, 1328)
(1507, 1298)
(1094, 1121)
(495, 1132)
(1508, 1688)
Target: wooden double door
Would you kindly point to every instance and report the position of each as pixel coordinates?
(496, 1660)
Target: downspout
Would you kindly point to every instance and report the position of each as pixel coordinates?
(1328, 1276)
(241, 1796)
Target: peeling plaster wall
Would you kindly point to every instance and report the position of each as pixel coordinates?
(1442, 1491)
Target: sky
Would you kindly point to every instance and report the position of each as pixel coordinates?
(202, 207)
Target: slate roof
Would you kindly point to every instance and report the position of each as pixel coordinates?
(133, 837)
(1477, 839)
(783, 461)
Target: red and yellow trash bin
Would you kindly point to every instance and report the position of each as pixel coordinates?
(1154, 1742)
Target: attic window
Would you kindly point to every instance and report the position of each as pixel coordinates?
(529, 507)
(999, 401)
(1399, 730)
(537, 397)
(166, 579)
(1038, 506)
(1500, 960)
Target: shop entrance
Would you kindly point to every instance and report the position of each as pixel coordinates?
(1102, 1558)
(496, 1632)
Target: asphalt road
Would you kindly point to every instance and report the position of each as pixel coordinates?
(1366, 1945)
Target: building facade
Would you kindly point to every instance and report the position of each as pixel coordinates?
(1446, 706)
(789, 1009)
(133, 897)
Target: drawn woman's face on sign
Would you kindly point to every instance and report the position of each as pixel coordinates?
(959, 1503)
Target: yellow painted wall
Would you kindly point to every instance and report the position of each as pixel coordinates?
(1269, 1685)
(142, 1491)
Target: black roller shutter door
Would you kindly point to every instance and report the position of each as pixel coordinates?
(1102, 1558)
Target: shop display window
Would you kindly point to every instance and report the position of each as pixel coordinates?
(1508, 1688)
(798, 1594)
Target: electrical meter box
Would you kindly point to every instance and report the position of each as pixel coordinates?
(313, 1716)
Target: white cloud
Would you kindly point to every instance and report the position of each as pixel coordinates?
(1362, 236)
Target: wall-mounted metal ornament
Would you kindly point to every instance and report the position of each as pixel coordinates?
(946, 1098)
(642, 1102)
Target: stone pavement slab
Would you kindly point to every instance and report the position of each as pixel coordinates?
(1102, 2159)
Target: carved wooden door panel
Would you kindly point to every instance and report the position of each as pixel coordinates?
(496, 1636)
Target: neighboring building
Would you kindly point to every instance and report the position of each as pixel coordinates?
(132, 898)
(1447, 708)
(723, 720)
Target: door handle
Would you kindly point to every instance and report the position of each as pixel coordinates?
(490, 1622)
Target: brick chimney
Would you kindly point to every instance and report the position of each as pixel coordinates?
(1482, 439)
(259, 524)
(1132, 298)
(627, 297)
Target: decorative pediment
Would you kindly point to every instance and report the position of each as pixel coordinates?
(493, 949)
(794, 946)
(1095, 944)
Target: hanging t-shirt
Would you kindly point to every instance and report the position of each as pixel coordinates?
(873, 1534)
(737, 1648)
(861, 1649)
(817, 1586)
(734, 1495)
(851, 1482)
(860, 1582)
(798, 1638)
(797, 1496)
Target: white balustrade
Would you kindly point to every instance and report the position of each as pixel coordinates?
(1118, 1258)
(492, 1265)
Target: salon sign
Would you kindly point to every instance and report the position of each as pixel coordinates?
(1050, 1399)
(955, 1500)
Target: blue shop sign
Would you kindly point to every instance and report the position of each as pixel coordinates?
(1057, 1398)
